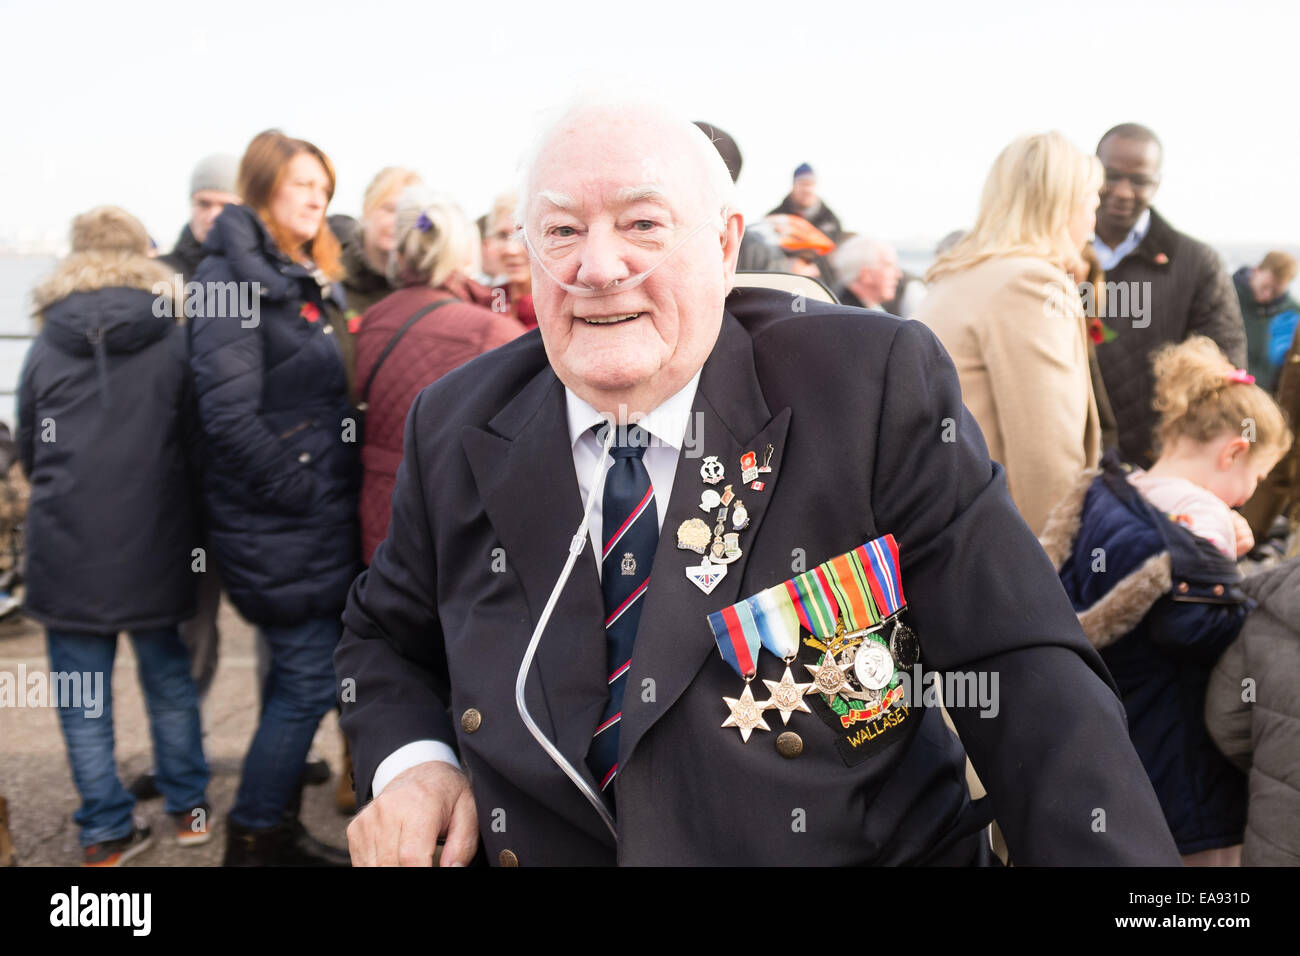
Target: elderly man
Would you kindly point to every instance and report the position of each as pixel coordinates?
(870, 277)
(804, 430)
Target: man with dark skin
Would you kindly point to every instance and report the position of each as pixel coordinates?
(1132, 177)
(1161, 285)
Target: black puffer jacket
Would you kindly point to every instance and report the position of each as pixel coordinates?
(106, 419)
(186, 256)
(280, 461)
(1175, 286)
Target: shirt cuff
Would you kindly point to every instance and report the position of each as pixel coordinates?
(406, 757)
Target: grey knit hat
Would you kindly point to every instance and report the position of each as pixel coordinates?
(218, 171)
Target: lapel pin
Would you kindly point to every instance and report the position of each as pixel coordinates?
(706, 576)
(712, 470)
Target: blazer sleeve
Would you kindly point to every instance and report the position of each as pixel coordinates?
(228, 373)
(392, 647)
(1227, 714)
(1054, 752)
(1215, 311)
(1037, 369)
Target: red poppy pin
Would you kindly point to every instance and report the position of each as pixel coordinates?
(1161, 259)
(1100, 332)
(309, 311)
(354, 321)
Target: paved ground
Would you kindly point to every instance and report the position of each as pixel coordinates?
(35, 776)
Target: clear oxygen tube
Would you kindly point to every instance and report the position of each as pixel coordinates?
(576, 546)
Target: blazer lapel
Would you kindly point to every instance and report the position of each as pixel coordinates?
(524, 470)
(730, 417)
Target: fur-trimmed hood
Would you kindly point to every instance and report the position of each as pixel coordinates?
(96, 269)
(104, 298)
(1173, 562)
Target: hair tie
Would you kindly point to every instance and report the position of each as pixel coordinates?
(424, 223)
(1240, 376)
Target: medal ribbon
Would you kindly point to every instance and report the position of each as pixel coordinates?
(814, 603)
(849, 582)
(737, 635)
(879, 559)
(778, 621)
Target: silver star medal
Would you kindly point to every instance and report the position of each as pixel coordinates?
(787, 696)
(828, 679)
(746, 714)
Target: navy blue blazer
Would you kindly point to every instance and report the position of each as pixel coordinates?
(864, 413)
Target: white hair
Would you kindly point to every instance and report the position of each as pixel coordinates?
(721, 191)
(856, 254)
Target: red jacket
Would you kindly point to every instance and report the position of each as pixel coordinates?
(441, 341)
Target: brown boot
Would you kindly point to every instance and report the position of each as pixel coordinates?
(7, 855)
(345, 797)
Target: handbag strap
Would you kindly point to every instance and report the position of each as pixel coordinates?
(392, 344)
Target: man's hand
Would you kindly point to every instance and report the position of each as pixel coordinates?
(402, 825)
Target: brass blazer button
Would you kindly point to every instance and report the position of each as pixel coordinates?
(789, 745)
(470, 721)
(507, 858)
(1182, 587)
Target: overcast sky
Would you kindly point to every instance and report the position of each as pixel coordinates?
(900, 107)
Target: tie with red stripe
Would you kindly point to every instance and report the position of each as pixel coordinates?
(630, 533)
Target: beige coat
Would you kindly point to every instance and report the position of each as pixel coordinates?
(1016, 332)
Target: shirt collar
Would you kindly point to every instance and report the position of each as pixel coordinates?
(1141, 227)
(667, 423)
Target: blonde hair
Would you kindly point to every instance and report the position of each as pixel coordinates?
(1029, 197)
(1198, 399)
(434, 253)
(389, 180)
(503, 205)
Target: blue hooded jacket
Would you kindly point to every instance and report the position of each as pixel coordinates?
(1161, 604)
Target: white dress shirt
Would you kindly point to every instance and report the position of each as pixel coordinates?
(668, 426)
(1110, 258)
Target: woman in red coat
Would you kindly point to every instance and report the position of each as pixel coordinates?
(434, 249)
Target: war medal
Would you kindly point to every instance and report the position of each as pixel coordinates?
(778, 628)
(736, 634)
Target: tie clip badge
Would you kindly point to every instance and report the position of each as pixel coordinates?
(720, 547)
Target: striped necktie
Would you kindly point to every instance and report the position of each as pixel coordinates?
(631, 534)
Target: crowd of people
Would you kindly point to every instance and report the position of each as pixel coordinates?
(1135, 393)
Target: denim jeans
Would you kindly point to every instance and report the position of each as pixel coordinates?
(173, 706)
(299, 691)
